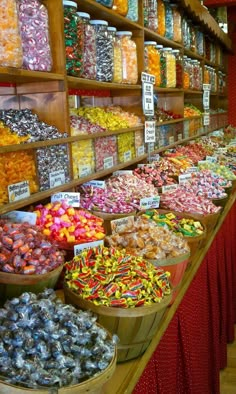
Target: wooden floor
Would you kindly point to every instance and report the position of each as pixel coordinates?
(228, 375)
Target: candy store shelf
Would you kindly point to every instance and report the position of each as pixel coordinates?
(193, 117)
(18, 75)
(81, 83)
(190, 91)
(166, 122)
(168, 90)
(151, 35)
(208, 63)
(193, 55)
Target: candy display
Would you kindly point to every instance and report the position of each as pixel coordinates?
(26, 124)
(73, 31)
(105, 152)
(133, 283)
(83, 158)
(139, 143)
(179, 68)
(104, 51)
(129, 57)
(191, 110)
(9, 138)
(132, 10)
(194, 152)
(162, 115)
(53, 166)
(161, 26)
(153, 175)
(17, 167)
(150, 14)
(130, 118)
(120, 6)
(206, 184)
(218, 169)
(62, 223)
(89, 47)
(149, 241)
(24, 250)
(34, 30)
(184, 226)
(67, 343)
(168, 68)
(169, 33)
(126, 148)
(181, 200)
(152, 60)
(80, 125)
(10, 40)
(174, 165)
(103, 118)
(177, 23)
(117, 55)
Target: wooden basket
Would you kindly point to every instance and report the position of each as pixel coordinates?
(135, 327)
(108, 217)
(13, 285)
(220, 202)
(92, 386)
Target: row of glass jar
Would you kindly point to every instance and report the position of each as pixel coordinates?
(192, 77)
(128, 8)
(24, 38)
(210, 77)
(97, 51)
(164, 18)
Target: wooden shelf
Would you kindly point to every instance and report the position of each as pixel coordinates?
(16, 75)
(193, 55)
(173, 121)
(151, 35)
(193, 117)
(167, 90)
(190, 91)
(81, 83)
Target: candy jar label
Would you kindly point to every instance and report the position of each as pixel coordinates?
(168, 188)
(72, 199)
(212, 159)
(57, 178)
(123, 172)
(190, 170)
(183, 178)
(149, 132)
(108, 162)
(127, 155)
(96, 183)
(140, 150)
(84, 170)
(150, 202)
(18, 191)
(88, 245)
(122, 225)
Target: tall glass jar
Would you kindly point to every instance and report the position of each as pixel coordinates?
(150, 14)
(129, 57)
(192, 36)
(73, 31)
(152, 60)
(196, 74)
(132, 10)
(177, 23)
(206, 76)
(186, 33)
(120, 6)
(191, 80)
(106, 3)
(161, 18)
(169, 33)
(186, 79)
(168, 79)
(117, 55)
(179, 68)
(34, 29)
(199, 41)
(10, 40)
(104, 51)
(89, 47)
(158, 77)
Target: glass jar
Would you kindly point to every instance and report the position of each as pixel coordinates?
(89, 47)
(169, 33)
(150, 14)
(10, 40)
(192, 36)
(191, 80)
(168, 62)
(106, 3)
(199, 41)
(73, 31)
(177, 23)
(196, 74)
(132, 10)
(186, 33)
(117, 55)
(104, 51)
(161, 18)
(152, 60)
(186, 79)
(34, 30)
(179, 68)
(129, 57)
(158, 77)
(120, 6)
(206, 76)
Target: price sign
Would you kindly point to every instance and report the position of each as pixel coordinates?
(84, 170)
(169, 188)
(123, 172)
(183, 178)
(108, 162)
(149, 131)
(148, 81)
(171, 140)
(206, 86)
(127, 156)
(154, 157)
(95, 183)
(18, 191)
(206, 119)
(206, 99)
(212, 159)
(57, 178)
(79, 248)
(150, 202)
(72, 199)
(20, 217)
(122, 225)
(191, 170)
(140, 150)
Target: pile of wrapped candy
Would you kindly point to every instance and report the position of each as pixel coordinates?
(112, 277)
(153, 175)
(218, 169)
(206, 184)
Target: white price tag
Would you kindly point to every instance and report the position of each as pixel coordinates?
(140, 150)
(108, 162)
(72, 199)
(183, 178)
(191, 170)
(206, 99)
(212, 159)
(148, 81)
(169, 188)
(20, 217)
(206, 86)
(57, 178)
(171, 140)
(206, 120)
(154, 157)
(18, 191)
(95, 183)
(121, 225)
(79, 248)
(127, 156)
(123, 172)
(84, 170)
(150, 202)
(149, 132)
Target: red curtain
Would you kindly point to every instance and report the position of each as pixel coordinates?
(194, 347)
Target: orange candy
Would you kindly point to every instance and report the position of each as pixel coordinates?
(152, 62)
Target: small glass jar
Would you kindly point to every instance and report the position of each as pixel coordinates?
(186, 33)
(169, 33)
(152, 60)
(132, 10)
(196, 74)
(106, 3)
(158, 77)
(104, 51)
(169, 62)
(89, 47)
(150, 14)
(206, 76)
(186, 79)
(117, 55)
(10, 40)
(177, 23)
(73, 31)
(179, 68)
(192, 36)
(129, 57)
(120, 6)
(199, 41)
(161, 18)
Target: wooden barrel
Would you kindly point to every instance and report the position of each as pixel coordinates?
(93, 385)
(13, 285)
(135, 327)
(108, 217)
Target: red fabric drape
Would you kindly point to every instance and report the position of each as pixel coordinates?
(194, 347)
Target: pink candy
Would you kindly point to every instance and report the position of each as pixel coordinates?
(105, 152)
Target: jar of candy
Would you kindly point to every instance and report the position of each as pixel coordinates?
(168, 62)
(89, 48)
(207, 49)
(169, 33)
(212, 52)
(206, 76)
(106, 3)
(196, 74)
(104, 51)
(73, 31)
(158, 77)
(186, 79)
(161, 18)
(117, 55)
(34, 30)
(10, 40)
(150, 14)
(152, 60)
(132, 10)
(179, 68)
(186, 33)
(192, 36)
(199, 41)
(177, 23)
(129, 57)
(191, 80)
(120, 6)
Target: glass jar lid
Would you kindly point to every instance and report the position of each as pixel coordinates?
(124, 33)
(70, 3)
(99, 22)
(83, 15)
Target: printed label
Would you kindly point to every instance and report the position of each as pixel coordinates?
(212, 159)
(72, 199)
(171, 140)
(169, 188)
(154, 157)
(108, 162)
(57, 178)
(79, 248)
(183, 178)
(191, 170)
(127, 156)
(140, 150)
(123, 172)
(95, 183)
(149, 132)
(122, 225)
(84, 170)
(150, 202)
(18, 191)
